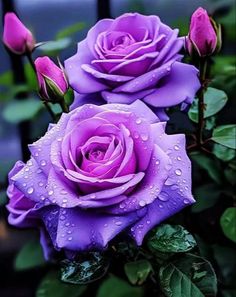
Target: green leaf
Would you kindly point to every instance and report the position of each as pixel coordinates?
(190, 276)
(30, 256)
(52, 286)
(53, 48)
(228, 223)
(206, 196)
(214, 100)
(70, 30)
(116, 287)
(171, 239)
(210, 165)
(230, 173)
(21, 110)
(3, 198)
(225, 135)
(85, 270)
(226, 261)
(138, 271)
(223, 153)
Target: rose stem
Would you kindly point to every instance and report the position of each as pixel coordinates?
(48, 107)
(64, 106)
(201, 105)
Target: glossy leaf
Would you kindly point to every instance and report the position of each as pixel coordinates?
(21, 110)
(51, 286)
(30, 256)
(138, 271)
(214, 100)
(225, 135)
(210, 165)
(223, 153)
(116, 287)
(228, 223)
(54, 47)
(206, 197)
(171, 239)
(189, 276)
(85, 270)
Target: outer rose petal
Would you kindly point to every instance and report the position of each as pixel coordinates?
(80, 80)
(180, 85)
(80, 230)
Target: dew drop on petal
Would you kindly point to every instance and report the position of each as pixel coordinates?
(138, 121)
(142, 203)
(30, 190)
(163, 196)
(43, 163)
(176, 147)
(178, 172)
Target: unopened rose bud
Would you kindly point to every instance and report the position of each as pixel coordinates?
(51, 79)
(16, 36)
(204, 36)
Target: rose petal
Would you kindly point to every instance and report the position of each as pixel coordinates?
(182, 81)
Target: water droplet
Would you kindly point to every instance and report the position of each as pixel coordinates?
(67, 224)
(43, 163)
(163, 196)
(148, 222)
(118, 223)
(92, 196)
(136, 135)
(64, 200)
(50, 193)
(176, 147)
(186, 201)
(142, 203)
(70, 238)
(179, 158)
(30, 190)
(40, 183)
(62, 218)
(138, 121)
(63, 192)
(105, 225)
(160, 205)
(144, 137)
(178, 172)
(42, 197)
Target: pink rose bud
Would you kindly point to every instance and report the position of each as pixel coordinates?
(51, 79)
(16, 36)
(204, 35)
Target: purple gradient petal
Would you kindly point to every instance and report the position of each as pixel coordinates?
(182, 82)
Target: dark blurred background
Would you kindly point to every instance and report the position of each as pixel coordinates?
(47, 19)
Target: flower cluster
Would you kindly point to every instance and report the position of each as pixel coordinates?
(108, 167)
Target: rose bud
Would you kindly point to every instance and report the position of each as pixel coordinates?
(204, 36)
(16, 36)
(51, 79)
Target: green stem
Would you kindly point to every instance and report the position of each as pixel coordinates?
(50, 111)
(64, 107)
(201, 105)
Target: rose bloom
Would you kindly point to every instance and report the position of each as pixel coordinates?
(100, 171)
(132, 57)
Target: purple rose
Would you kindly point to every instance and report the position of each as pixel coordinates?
(202, 34)
(16, 36)
(129, 58)
(99, 171)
